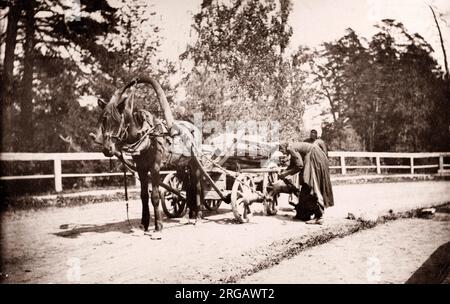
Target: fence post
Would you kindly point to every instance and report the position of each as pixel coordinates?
(137, 182)
(441, 163)
(58, 176)
(343, 168)
(412, 164)
(378, 165)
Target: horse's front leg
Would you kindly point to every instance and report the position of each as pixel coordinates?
(155, 199)
(145, 220)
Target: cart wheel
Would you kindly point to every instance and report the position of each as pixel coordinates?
(242, 189)
(271, 206)
(212, 204)
(173, 206)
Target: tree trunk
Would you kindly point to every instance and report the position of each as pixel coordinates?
(284, 13)
(128, 46)
(442, 44)
(7, 91)
(26, 102)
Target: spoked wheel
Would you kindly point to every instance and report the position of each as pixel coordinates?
(212, 204)
(271, 205)
(173, 206)
(243, 188)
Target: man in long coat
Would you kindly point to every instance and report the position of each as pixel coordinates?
(316, 194)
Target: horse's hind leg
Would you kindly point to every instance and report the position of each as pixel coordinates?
(145, 220)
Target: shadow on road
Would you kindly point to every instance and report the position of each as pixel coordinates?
(75, 230)
(435, 270)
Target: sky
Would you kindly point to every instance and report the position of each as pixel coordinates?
(318, 21)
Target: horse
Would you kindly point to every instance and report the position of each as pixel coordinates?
(153, 144)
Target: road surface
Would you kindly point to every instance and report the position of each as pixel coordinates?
(388, 253)
(93, 243)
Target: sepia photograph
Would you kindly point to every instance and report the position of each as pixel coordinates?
(221, 147)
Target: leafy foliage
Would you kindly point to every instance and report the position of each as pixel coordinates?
(241, 70)
(89, 53)
(391, 92)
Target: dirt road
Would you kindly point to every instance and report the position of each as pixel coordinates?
(93, 244)
(389, 253)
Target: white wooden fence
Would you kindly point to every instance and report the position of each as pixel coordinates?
(58, 158)
(441, 166)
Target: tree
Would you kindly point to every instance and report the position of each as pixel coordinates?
(406, 86)
(336, 71)
(7, 96)
(444, 53)
(390, 92)
(135, 44)
(241, 71)
(60, 57)
(39, 32)
(26, 98)
(206, 92)
(241, 40)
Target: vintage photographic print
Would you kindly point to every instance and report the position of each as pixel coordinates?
(225, 142)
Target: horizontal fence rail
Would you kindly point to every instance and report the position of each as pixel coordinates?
(342, 155)
(58, 158)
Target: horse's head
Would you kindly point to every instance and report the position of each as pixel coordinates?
(116, 115)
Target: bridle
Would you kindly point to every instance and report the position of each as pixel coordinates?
(122, 132)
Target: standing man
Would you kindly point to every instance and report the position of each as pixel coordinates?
(314, 139)
(316, 193)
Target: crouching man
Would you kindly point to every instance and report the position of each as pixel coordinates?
(316, 193)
